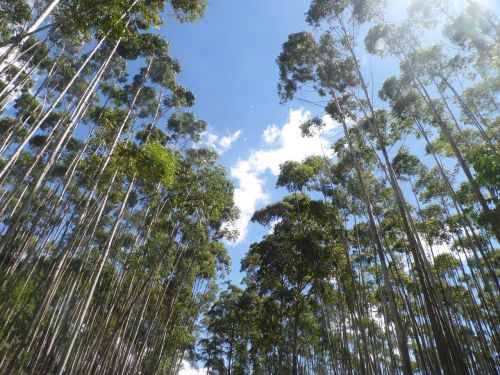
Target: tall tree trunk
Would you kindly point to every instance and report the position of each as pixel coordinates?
(11, 52)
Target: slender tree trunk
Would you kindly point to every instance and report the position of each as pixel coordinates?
(400, 332)
(12, 50)
(103, 261)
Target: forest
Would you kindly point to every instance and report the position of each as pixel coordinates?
(381, 257)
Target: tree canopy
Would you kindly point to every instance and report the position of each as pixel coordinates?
(380, 257)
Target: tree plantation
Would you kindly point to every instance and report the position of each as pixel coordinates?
(380, 256)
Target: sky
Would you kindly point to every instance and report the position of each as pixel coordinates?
(229, 61)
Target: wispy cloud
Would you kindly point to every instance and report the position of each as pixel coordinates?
(220, 144)
(227, 141)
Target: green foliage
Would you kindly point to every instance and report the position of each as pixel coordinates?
(486, 164)
(405, 164)
(294, 175)
(14, 14)
(186, 125)
(126, 224)
(113, 222)
(296, 63)
(156, 163)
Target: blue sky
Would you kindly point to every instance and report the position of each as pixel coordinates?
(228, 61)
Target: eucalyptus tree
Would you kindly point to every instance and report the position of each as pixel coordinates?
(111, 226)
(429, 69)
(302, 61)
(291, 266)
(227, 326)
(312, 257)
(330, 65)
(411, 240)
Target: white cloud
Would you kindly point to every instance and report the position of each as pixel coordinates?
(220, 144)
(227, 141)
(271, 133)
(187, 369)
(435, 249)
(210, 138)
(281, 144)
